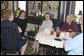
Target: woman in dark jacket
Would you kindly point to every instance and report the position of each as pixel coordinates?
(21, 21)
(11, 38)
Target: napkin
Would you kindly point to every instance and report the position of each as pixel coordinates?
(65, 35)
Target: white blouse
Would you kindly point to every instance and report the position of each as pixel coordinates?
(47, 24)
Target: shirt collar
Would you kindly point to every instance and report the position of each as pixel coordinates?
(21, 18)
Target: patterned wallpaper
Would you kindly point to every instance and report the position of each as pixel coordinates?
(5, 5)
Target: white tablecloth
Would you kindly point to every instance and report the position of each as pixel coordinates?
(48, 39)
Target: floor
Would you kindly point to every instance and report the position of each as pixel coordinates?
(29, 49)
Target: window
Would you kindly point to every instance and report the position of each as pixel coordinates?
(22, 5)
(79, 7)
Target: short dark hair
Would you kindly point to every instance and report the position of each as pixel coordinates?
(18, 8)
(47, 13)
(21, 11)
(80, 12)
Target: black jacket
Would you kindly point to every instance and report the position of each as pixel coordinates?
(22, 23)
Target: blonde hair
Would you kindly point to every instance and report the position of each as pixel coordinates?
(2, 17)
(7, 14)
(21, 11)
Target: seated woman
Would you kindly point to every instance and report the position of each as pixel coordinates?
(21, 41)
(47, 24)
(21, 21)
(70, 25)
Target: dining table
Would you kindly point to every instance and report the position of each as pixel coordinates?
(45, 38)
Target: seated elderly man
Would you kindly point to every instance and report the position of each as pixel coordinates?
(74, 46)
(70, 25)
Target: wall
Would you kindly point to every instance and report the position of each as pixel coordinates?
(10, 5)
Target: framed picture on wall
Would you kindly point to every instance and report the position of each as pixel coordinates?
(4, 5)
(45, 4)
(51, 7)
(55, 5)
(32, 4)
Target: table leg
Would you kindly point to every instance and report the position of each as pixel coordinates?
(44, 51)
